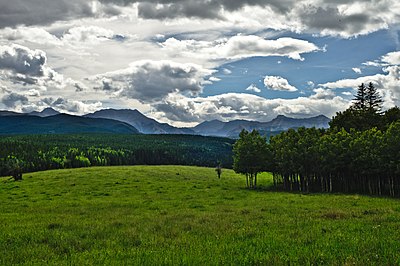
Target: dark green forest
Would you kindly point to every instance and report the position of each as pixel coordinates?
(359, 153)
(20, 154)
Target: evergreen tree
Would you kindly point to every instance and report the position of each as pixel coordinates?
(373, 99)
(360, 99)
(365, 112)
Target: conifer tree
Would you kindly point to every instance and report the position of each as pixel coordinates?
(360, 98)
(373, 99)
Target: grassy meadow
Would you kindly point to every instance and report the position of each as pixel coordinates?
(178, 215)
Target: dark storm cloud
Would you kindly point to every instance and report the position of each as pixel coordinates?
(21, 65)
(22, 60)
(40, 12)
(150, 81)
(173, 10)
(203, 9)
(317, 15)
(330, 18)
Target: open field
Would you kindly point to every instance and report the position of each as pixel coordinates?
(174, 215)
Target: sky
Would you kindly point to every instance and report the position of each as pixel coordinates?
(187, 61)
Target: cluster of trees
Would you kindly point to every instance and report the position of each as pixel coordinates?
(312, 160)
(360, 153)
(19, 154)
(250, 156)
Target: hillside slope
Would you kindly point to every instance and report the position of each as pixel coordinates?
(174, 215)
(62, 123)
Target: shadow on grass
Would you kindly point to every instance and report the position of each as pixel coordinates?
(272, 188)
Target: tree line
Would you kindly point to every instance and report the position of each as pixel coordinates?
(359, 153)
(21, 154)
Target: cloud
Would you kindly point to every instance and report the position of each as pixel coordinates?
(346, 19)
(178, 108)
(29, 34)
(392, 58)
(150, 81)
(71, 106)
(226, 71)
(238, 47)
(389, 59)
(253, 88)
(87, 35)
(20, 64)
(330, 20)
(179, 9)
(11, 100)
(386, 84)
(326, 17)
(22, 60)
(204, 9)
(278, 84)
(357, 70)
(45, 12)
(323, 94)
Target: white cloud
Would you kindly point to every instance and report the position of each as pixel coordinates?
(227, 71)
(278, 84)
(71, 106)
(150, 81)
(357, 70)
(392, 58)
(29, 34)
(238, 47)
(177, 108)
(389, 59)
(214, 79)
(311, 84)
(323, 94)
(386, 84)
(87, 35)
(253, 88)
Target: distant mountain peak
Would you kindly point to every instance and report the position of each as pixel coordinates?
(141, 122)
(279, 123)
(48, 111)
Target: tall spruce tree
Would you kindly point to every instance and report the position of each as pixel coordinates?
(363, 114)
(373, 99)
(360, 99)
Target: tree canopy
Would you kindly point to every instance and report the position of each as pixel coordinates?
(250, 156)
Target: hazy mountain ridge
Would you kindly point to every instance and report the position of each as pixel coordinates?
(45, 113)
(140, 123)
(61, 124)
(280, 123)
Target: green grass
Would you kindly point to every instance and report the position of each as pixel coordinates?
(176, 215)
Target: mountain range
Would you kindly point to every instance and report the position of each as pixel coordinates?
(132, 121)
(141, 122)
(61, 124)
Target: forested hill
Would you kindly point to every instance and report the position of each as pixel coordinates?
(61, 124)
(29, 153)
